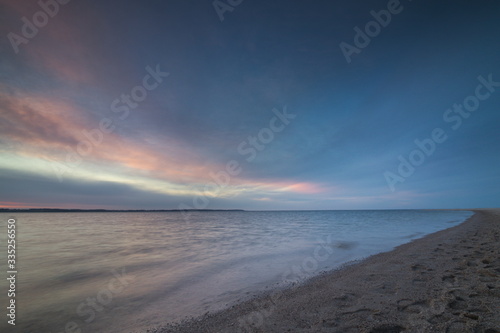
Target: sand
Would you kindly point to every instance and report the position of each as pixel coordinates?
(445, 282)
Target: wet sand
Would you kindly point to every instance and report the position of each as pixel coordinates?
(445, 282)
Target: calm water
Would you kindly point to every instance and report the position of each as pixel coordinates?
(125, 272)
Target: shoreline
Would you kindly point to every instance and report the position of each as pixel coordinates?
(447, 281)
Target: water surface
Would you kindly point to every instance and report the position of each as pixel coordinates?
(123, 272)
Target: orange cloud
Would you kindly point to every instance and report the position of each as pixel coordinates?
(19, 205)
(52, 129)
(34, 121)
(23, 205)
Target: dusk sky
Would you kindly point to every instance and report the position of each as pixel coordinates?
(250, 104)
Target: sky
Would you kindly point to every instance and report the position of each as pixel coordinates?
(258, 105)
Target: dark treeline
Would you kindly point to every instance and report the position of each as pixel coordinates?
(59, 210)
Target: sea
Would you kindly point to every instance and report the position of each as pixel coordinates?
(133, 271)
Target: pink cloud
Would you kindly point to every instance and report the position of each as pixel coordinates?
(45, 128)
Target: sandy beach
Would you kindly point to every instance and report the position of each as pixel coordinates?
(445, 282)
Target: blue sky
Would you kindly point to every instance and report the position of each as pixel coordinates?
(161, 105)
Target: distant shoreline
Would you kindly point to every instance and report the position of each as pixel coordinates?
(58, 210)
(75, 210)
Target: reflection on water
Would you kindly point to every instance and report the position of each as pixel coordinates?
(123, 272)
